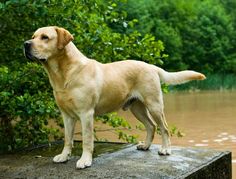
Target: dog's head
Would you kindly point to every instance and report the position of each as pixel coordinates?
(46, 42)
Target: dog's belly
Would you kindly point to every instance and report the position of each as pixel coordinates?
(108, 105)
(117, 87)
(111, 101)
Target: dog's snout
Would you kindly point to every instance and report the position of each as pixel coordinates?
(27, 49)
(27, 45)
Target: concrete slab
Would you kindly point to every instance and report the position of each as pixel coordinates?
(125, 163)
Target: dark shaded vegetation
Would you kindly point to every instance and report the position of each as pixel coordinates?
(198, 35)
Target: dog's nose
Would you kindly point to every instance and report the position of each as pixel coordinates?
(27, 45)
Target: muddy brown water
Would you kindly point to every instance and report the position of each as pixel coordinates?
(208, 120)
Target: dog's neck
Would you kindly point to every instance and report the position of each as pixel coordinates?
(73, 54)
(62, 66)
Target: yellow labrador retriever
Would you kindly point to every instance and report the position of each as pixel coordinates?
(84, 88)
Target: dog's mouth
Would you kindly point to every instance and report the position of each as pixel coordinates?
(31, 57)
(28, 55)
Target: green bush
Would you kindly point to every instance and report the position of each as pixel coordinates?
(26, 105)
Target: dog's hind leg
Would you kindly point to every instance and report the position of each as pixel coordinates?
(142, 114)
(69, 125)
(156, 109)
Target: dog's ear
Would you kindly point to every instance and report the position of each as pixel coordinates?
(63, 37)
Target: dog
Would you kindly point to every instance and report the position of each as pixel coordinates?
(84, 88)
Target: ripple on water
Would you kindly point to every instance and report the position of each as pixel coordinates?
(232, 137)
(191, 141)
(217, 140)
(201, 145)
(224, 133)
(224, 138)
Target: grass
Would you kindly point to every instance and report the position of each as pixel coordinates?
(213, 82)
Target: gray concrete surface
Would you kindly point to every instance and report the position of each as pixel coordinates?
(125, 163)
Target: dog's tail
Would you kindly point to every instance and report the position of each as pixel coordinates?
(173, 78)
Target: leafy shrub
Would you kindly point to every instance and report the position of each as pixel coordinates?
(118, 124)
(26, 104)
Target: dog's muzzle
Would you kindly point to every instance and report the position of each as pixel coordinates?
(28, 53)
(27, 50)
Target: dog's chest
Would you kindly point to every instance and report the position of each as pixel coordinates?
(64, 99)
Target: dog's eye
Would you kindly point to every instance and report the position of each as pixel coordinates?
(44, 37)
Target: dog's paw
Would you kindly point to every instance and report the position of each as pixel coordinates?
(142, 146)
(61, 158)
(164, 151)
(83, 163)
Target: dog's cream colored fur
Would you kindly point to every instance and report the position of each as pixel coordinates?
(84, 88)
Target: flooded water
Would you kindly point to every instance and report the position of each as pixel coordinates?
(208, 120)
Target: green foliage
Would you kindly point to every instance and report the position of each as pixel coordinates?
(173, 130)
(119, 124)
(26, 105)
(126, 137)
(113, 120)
(199, 35)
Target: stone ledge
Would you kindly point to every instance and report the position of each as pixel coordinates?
(127, 163)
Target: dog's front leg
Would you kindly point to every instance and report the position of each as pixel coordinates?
(69, 125)
(88, 135)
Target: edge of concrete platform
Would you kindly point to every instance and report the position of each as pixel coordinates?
(185, 162)
(218, 167)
